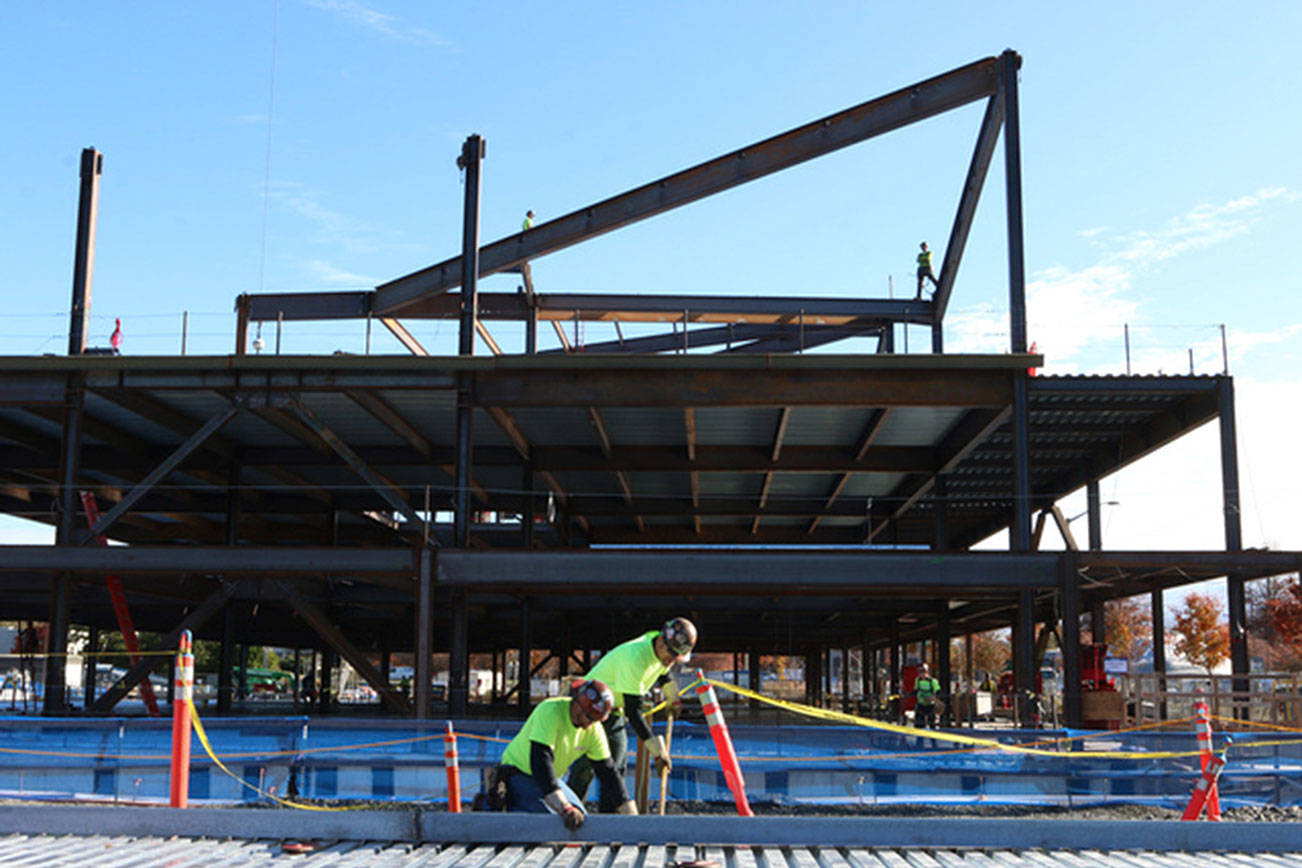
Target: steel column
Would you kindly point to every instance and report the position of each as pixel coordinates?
(940, 500)
(753, 675)
(1159, 647)
(1095, 513)
(458, 656)
(1098, 621)
(92, 661)
(1009, 63)
(895, 669)
(944, 668)
(527, 507)
(1024, 655)
(1234, 590)
(1019, 535)
(472, 155)
(226, 660)
(1069, 600)
(424, 645)
(525, 666)
(83, 266)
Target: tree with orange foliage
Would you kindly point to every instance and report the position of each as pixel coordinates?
(1274, 623)
(1202, 637)
(1129, 625)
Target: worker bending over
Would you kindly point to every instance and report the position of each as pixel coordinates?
(558, 731)
(632, 669)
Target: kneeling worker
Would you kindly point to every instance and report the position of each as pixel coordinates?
(559, 731)
(632, 669)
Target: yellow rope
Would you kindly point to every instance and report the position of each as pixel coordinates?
(938, 735)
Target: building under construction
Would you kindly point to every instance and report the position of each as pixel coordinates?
(789, 502)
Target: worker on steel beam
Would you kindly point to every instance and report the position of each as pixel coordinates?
(924, 270)
(558, 731)
(528, 221)
(633, 669)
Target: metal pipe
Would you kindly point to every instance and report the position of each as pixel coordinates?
(185, 328)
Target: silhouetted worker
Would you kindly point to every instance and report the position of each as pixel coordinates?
(924, 270)
(528, 221)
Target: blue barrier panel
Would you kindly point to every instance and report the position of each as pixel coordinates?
(127, 759)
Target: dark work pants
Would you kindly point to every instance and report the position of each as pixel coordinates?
(581, 772)
(523, 795)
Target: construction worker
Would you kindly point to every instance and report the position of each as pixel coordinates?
(558, 731)
(926, 689)
(924, 270)
(528, 221)
(632, 669)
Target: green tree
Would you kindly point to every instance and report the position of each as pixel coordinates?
(1202, 637)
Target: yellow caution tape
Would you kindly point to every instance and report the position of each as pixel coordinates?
(939, 735)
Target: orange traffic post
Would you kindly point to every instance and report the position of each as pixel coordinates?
(182, 696)
(453, 766)
(1203, 734)
(723, 744)
(1205, 785)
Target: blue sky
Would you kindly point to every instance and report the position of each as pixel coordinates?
(1161, 182)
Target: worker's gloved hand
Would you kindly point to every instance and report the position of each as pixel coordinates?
(572, 817)
(662, 766)
(656, 747)
(629, 807)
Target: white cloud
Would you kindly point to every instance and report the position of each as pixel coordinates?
(382, 23)
(1203, 225)
(325, 272)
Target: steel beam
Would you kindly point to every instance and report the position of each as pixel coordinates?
(208, 559)
(898, 109)
(392, 494)
(967, 203)
(777, 572)
(196, 618)
(334, 637)
(212, 426)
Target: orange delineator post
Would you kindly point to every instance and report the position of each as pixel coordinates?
(450, 761)
(723, 744)
(1203, 733)
(181, 698)
(1205, 785)
(119, 598)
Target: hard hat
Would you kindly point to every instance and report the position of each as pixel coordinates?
(679, 635)
(595, 698)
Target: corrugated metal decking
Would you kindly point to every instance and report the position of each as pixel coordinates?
(96, 850)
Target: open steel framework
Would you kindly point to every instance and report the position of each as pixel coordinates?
(790, 503)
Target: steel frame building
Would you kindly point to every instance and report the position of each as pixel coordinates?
(790, 503)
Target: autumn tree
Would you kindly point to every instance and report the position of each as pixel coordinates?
(1129, 626)
(991, 652)
(1274, 624)
(1201, 637)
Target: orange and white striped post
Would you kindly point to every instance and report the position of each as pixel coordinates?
(1203, 734)
(1205, 785)
(182, 695)
(453, 766)
(723, 744)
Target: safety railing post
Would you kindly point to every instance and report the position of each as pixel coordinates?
(453, 766)
(723, 744)
(183, 695)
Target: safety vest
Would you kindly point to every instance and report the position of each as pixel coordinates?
(927, 688)
(924, 259)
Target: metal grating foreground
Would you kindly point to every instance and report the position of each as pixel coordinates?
(104, 836)
(98, 850)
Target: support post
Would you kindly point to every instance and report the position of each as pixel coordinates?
(1008, 66)
(1159, 649)
(526, 657)
(1069, 599)
(1099, 621)
(1235, 595)
(424, 635)
(458, 657)
(1019, 535)
(526, 505)
(753, 674)
(944, 665)
(83, 264)
(1095, 515)
(226, 660)
(472, 154)
(895, 670)
(1024, 657)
